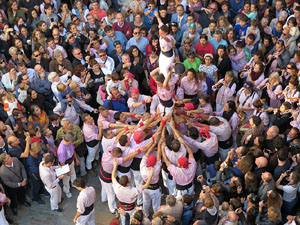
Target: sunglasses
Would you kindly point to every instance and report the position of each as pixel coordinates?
(102, 55)
(78, 53)
(37, 55)
(289, 68)
(1, 62)
(136, 32)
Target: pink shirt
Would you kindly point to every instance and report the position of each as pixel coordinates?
(107, 162)
(48, 176)
(166, 46)
(190, 88)
(140, 109)
(207, 109)
(174, 156)
(108, 144)
(225, 94)
(183, 176)
(127, 150)
(145, 171)
(90, 132)
(131, 193)
(85, 199)
(222, 131)
(108, 120)
(208, 146)
(164, 94)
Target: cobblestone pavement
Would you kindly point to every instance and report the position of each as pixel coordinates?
(40, 215)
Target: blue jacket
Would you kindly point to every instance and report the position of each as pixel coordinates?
(117, 104)
(187, 215)
(174, 18)
(33, 165)
(42, 86)
(240, 31)
(236, 7)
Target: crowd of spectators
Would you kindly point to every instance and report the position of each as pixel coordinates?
(162, 96)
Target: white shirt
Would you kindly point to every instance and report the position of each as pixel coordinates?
(222, 131)
(140, 109)
(109, 67)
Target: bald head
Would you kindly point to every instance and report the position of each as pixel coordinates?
(272, 132)
(266, 177)
(261, 162)
(13, 141)
(232, 216)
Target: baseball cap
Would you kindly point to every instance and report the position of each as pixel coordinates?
(192, 25)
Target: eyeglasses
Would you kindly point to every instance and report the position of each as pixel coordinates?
(136, 32)
(102, 55)
(213, 9)
(37, 55)
(78, 53)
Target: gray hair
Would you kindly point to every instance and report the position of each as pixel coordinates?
(69, 136)
(57, 53)
(12, 49)
(63, 120)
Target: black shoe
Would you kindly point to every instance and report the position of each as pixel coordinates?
(27, 204)
(58, 210)
(14, 211)
(10, 221)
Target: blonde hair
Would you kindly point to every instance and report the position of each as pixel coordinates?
(225, 20)
(208, 202)
(73, 85)
(36, 147)
(61, 87)
(10, 96)
(35, 40)
(273, 214)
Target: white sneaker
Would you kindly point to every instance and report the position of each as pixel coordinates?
(69, 195)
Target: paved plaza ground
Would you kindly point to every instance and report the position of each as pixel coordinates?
(40, 215)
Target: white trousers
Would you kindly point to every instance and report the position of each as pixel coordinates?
(138, 181)
(66, 179)
(108, 194)
(149, 196)
(3, 220)
(93, 153)
(179, 193)
(123, 217)
(87, 219)
(168, 183)
(164, 63)
(55, 196)
(165, 110)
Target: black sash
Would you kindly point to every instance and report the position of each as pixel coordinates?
(226, 144)
(168, 53)
(127, 206)
(135, 165)
(104, 176)
(92, 143)
(70, 160)
(152, 186)
(184, 187)
(186, 96)
(168, 103)
(88, 210)
(123, 169)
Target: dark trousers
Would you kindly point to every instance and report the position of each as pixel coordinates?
(37, 188)
(16, 194)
